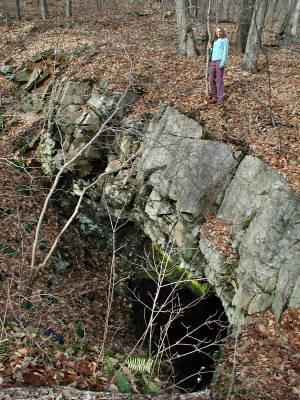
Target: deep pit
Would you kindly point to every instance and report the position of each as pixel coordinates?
(192, 337)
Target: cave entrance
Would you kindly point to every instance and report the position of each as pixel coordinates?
(192, 339)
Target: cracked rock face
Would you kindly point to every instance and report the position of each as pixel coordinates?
(268, 271)
(184, 175)
(174, 181)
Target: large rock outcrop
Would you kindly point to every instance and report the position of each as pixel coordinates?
(265, 216)
(184, 176)
(175, 179)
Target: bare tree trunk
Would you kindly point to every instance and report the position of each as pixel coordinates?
(225, 11)
(68, 8)
(44, 9)
(18, 12)
(254, 36)
(234, 6)
(187, 46)
(193, 8)
(218, 11)
(272, 18)
(244, 25)
(4, 7)
(295, 19)
(207, 47)
(287, 18)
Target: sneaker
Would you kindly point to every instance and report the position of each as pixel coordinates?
(219, 103)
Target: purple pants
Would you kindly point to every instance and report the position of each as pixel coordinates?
(216, 81)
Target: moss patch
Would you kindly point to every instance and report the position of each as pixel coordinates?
(172, 273)
(248, 221)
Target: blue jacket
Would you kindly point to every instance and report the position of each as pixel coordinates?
(220, 51)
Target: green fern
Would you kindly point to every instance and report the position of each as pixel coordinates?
(108, 366)
(151, 388)
(123, 383)
(139, 364)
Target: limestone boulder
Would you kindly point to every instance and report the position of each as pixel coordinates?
(74, 115)
(184, 175)
(265, 215)
(75, 93)
(71, 96)
(125, 101)
(34, 78)
(6, 69)
(22, 76)
(68, 116)
(181, 166)
(101, 105)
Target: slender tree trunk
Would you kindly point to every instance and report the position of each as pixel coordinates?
(207, 47)
(295, 19)
(193, 8)
(287, 18)
(217, 11)
(187, 46)
(254, 36)
(225, 11)
(244, 24)
(44, 9)
(234, 6)
(273, 11)
(4, 7)
(18, 12)
(68, 8)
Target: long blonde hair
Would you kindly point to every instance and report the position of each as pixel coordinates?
(223, 33)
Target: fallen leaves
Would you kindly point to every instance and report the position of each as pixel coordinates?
(34, 379)
(49, 366)
(219, 230)
(72, 367)
(264, 358)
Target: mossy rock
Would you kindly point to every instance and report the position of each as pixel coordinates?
(173, 273)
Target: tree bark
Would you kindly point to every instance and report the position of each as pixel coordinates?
(187, 46)
(244, 24)
(233, 10)
(254, 36)
(225, 13)
(193, 8)
(287, 18)
(98, 5)
(295, 19)
(218, 11)
(274, 11)
(44, 9)
(66, 392)
(68, 8)
(18, 12)
(207, 47)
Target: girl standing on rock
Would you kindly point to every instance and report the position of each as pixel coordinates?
(219, 48)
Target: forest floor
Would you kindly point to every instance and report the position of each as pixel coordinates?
(262, 361)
